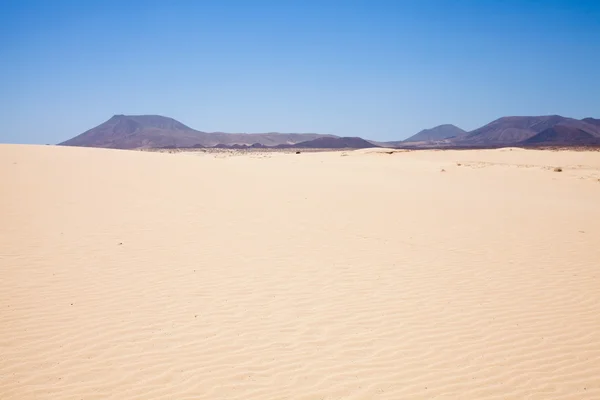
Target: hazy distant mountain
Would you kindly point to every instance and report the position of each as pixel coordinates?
(242, 146)
(426, 136)
(563, 135)
(438, 133)
(128, 132)
(155, 131)
(593, 121)
(333, 143)
(512, 130)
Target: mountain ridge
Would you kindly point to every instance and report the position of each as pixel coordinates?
(517, 129)
(439, 132)
(156, 131)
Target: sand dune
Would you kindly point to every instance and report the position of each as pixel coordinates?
(357, 275)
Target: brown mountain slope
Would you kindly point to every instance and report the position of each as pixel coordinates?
(333, 143)
(126, 132)
(155, 131)
(592, 121)
(427, 136)
(511, 130)
(438, 133)
(563, 135)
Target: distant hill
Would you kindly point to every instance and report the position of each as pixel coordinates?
(155, 131)
(333, 143)
(438, 133)
(563, 135)
(511, 130)
(593, 121)
(242, 146)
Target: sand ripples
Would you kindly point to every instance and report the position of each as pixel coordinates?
(223, 285)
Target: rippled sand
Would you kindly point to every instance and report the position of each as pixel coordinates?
(341, 275)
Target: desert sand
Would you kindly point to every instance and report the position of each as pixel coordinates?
(338, 275)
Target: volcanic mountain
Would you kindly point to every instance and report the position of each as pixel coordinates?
(441, 132)
(333, 143)
(593, 121)
(563, 135)
(155, 131)
(508, 131)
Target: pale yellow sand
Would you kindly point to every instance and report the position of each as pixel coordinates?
(356, 275)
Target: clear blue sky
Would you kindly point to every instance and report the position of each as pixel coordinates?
(373, 68)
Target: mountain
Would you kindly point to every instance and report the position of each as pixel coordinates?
(563, 135)
(438, 133)
(333, 143)
(243, 146)
(508, 131)
(593, 121)
(155, 131)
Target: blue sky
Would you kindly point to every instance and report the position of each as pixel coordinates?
(373, 68)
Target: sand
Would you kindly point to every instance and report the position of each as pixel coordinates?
(340, 275)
